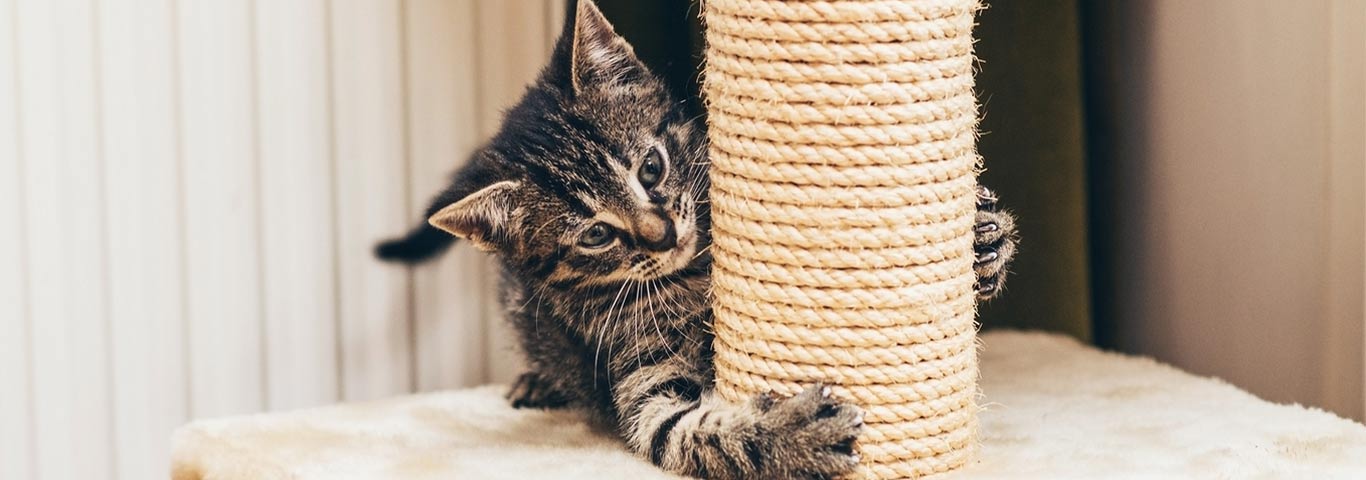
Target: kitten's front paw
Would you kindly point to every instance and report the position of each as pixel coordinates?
(809, 436)
(530, 391)
(994, 240)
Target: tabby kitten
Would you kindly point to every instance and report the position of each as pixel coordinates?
(593, 196)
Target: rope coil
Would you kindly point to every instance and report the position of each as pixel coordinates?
(843, 158)
(861, 32)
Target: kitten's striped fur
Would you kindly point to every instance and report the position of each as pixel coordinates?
(622, 329)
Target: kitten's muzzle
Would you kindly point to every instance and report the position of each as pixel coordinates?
(655, 232)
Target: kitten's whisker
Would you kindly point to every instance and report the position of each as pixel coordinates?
(635, 317)
(654, 319)
(639, 339)
(636, 331)
(700, 252)
(611, 343)
(680, 312)
(608, 318)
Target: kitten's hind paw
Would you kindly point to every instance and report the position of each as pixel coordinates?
(530, 391)
(811, 435)
(994, 241)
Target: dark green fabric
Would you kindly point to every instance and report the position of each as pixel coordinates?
(667, 36)
(1033, 143)
(1102, 73)
(1030, 88)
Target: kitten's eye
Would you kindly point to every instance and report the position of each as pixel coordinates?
(596, 236)
(651, 171)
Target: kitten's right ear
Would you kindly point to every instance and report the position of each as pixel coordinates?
(589, 51)
(484, 217)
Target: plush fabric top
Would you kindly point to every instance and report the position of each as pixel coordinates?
(1053, 409)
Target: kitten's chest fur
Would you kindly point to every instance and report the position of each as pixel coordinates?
(584, 342)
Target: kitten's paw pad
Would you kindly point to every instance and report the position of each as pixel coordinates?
(811, 435)
(530, 391)
(994, 242)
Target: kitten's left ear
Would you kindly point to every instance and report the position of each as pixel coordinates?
(596, 54)
(484, 217)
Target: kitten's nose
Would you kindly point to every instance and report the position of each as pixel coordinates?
(655, 231)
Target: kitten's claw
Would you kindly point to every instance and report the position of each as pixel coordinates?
(984, 258)
(986, 290)
(994, 240)
(986, 228)
(986, 199)
(764, 401)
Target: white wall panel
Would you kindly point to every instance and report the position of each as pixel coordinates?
(189, 194)
(297, 217)
(145, 255)
(516, 30)
(218, 147)
(371, 196)
(64, 225)
(15, 414)
(448, 332)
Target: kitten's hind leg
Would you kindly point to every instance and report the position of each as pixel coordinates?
(531, 391)
(994, 241)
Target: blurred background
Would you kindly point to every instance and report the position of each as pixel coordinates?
(189, 191)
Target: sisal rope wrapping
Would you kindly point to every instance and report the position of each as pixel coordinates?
(843, 150)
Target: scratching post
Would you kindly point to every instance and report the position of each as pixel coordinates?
(843, 196)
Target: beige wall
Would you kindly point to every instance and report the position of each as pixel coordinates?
(1239, 181)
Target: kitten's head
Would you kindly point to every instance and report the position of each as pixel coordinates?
(597, 175)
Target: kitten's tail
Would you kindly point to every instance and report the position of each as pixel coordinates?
(421, 244)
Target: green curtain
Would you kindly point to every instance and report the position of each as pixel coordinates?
(1033, 140)
(667, 36)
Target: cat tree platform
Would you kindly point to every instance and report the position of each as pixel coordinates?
(1053, 409)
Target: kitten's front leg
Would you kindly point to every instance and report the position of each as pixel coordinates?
(667, 418)
(555, 376)
(532, 391)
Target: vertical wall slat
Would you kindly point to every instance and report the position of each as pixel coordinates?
(441, 94)
(1343, 346)
(65, 264)
(371, 197)
(221, 224)
(296, 198)
(15, 448)
(555, 11)
(191, 200)
(507, 30)
(145, 253)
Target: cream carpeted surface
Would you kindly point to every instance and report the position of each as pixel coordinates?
(1054, 409)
